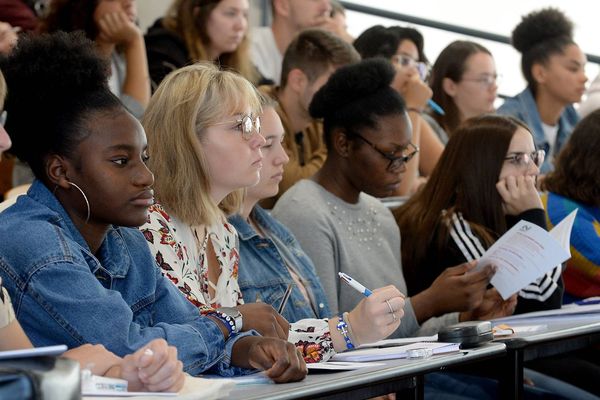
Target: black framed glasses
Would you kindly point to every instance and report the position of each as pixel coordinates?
(395, 161)
(524, 160)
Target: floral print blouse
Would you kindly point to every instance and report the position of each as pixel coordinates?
(182, 258)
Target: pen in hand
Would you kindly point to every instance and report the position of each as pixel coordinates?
(436, 107)
(285, 298)
(355, 284)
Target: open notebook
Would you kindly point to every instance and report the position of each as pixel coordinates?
(389, 353)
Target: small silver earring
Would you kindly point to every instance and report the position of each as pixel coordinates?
(87, 203)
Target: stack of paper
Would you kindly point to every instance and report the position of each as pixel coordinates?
(389, 353)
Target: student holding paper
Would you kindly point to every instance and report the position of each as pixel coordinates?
(483, 184)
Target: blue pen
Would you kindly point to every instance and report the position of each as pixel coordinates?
(435, 107)
(355, 284)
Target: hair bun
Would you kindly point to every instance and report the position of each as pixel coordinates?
(540, 26)
(351, 83)
(63, 64)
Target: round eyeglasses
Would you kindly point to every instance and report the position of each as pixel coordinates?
(524, 160)
(246, 124)
(409, 62)
(395, 161)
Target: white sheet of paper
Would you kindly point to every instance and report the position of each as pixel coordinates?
(562, 232)
(35, 352)
(127, 394)
(390, 353)
(341, 365)
(522, 255)
(399, 341)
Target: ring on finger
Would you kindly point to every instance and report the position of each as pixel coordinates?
(390, 307)
(394, 316)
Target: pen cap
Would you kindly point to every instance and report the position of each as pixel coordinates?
(468, 334)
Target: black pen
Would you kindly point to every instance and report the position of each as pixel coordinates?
(285, 298)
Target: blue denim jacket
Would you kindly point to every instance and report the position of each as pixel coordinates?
(62, 293)
(263, 274)
(524, 108)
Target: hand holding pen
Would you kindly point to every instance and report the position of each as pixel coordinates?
(378, 314)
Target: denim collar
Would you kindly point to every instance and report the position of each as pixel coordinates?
(244, 229)
(262, 218)
(112, 255)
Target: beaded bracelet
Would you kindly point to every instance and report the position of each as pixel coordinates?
(228, 321)
(342, 327)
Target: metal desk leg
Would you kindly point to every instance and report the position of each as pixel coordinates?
(511, 375)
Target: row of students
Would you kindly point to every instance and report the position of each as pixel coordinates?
(90, 277)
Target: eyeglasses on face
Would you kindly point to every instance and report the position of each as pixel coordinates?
(246, 124)
(485, 81)
(409, 62)
(524, 160)
(3, 116)
(395, 161)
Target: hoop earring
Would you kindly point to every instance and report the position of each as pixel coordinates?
(87, 203)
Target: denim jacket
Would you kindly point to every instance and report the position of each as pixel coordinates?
(524, 108)
(263, 274)
(62, 293)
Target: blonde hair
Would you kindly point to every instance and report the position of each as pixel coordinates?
(188, 20)
(187, 102)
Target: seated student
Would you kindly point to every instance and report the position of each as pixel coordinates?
(337, 21)
(112, 27)
(554, 68)
(575, 184)
(201, 255)
(269, 43)
(192, 31)
(403, 47)
(157, 361)
(75, 270)
(339, 223)
(464, 83)
(307, 64)
(271, 259)
(470, 200)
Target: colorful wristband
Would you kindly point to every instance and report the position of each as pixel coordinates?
(228, 321)
(342, 327)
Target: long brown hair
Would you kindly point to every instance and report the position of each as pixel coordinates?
(188, 20)
(464, 180)
(451, 64)
(577, 168)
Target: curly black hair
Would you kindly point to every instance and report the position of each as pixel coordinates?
(539, 35)
(355, 96)
(55, 82)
